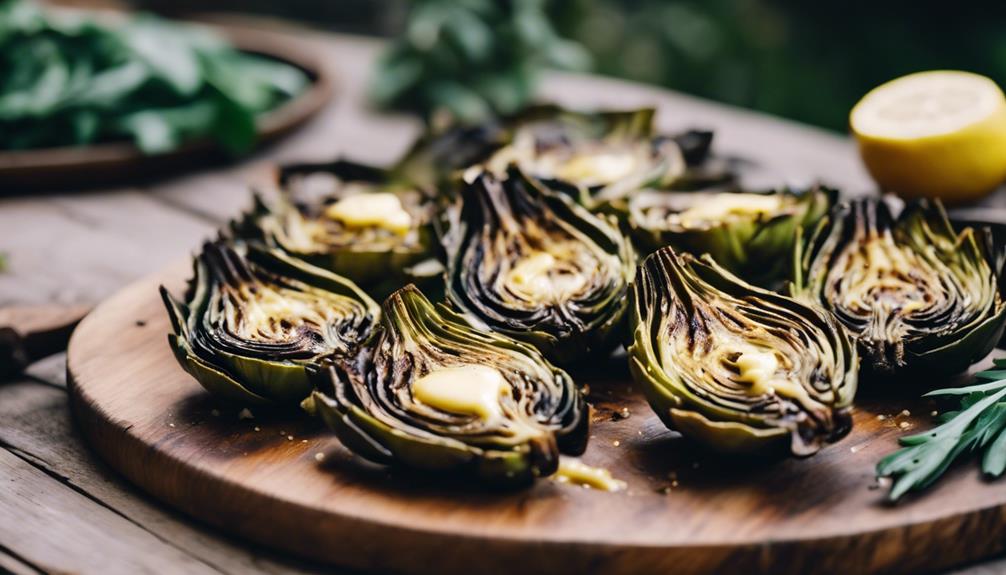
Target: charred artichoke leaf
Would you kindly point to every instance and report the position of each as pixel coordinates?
(435, 159)
(354, 220)
(433, 393)
(597, 157)
(736, 367)
(538, 267)
(256, 324)
(703, 169)
(752, 234)
(917, 296)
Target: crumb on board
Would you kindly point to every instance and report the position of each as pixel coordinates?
(319, 457)
(257, 428)
(245, 414)
(621, 414)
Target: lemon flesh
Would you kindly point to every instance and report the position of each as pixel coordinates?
(939, 134)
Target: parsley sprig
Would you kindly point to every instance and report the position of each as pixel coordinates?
(978, 426)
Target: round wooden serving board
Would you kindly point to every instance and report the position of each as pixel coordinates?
(685, 511)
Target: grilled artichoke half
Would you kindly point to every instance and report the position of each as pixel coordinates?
(432, 393)
(736, 367)
(534, 265)
(598, 158)
(256, 323)
(351, 219)
(917, 296)
(750, 234)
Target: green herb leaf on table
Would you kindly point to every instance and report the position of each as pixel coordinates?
(978, 426)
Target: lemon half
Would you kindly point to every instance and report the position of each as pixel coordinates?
(934, 134)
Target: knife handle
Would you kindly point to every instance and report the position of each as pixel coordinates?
(30, 333)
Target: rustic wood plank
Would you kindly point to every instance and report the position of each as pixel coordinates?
(51, 370)
(71, 249)
(36, 424)
(993, 567)
(11, 564)
(62, 531)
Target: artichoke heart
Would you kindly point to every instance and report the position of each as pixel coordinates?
(595, 157)
(534, 265)
(734, 366)
(917, 296)
(256, 324)
(752, 234)
(351, 219)
(433, 393)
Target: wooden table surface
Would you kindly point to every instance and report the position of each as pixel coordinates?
(62, 510)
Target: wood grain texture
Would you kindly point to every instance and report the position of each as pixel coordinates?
(36, 426)
(83, 536)
(684, 511)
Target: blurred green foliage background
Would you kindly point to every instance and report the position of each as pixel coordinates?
(806, 60)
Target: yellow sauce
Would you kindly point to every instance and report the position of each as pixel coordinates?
(758, 368)
(597, 167)
(719, 207)
(574, 471)
(380, 209)
(466, 390)
(536, 278)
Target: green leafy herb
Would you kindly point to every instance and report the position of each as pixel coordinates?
(472, 58)
(69, 80)
(978, 426)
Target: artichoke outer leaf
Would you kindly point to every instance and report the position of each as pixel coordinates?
(214, 380)
(503, 250)
(729, 436)
(947, 307)
(257, 325)
(370, 403)
(753, 240)
(598, 159)
(693, 323)
(300, 222)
